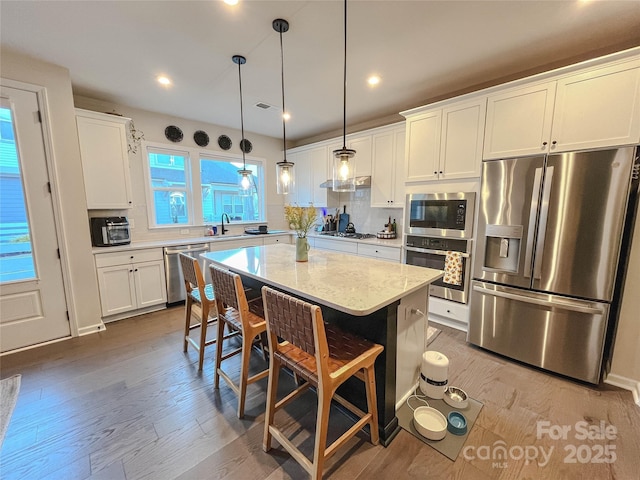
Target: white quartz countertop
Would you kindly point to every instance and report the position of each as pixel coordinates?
(348, 283)
(183, 241)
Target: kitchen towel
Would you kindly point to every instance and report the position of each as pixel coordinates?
(453, 268)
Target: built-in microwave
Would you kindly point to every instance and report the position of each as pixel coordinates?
(110, 231)
(440, 214)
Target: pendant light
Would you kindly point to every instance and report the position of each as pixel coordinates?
(246, 176)
(344, 178)
(284, 169)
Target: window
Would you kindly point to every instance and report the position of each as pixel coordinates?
(168, 172)
(220, 193)
(16, 254)
(176, 200)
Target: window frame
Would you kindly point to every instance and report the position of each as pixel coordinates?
(193, 186)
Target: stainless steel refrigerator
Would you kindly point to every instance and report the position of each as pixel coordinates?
(549, 237)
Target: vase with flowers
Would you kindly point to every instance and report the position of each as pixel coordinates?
(301, 219)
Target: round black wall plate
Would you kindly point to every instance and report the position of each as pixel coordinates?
(245, 146)
(173, 133)
(224, 142)
(201, 138)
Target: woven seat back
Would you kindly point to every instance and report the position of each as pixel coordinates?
(224, 286)
(189, 265)
(290, 319)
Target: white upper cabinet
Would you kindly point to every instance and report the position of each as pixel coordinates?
(461, 141)
(311, 166)
(593, 108)
(445, 143)
(423, 146)
(598, 108)
(105, 161)
(387, 169)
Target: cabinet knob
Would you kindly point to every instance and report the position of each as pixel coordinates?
(131, 257)
(130, 271)
(136, 270)
(435, 173)
(441, 172)
(544, 144)
(554, 142)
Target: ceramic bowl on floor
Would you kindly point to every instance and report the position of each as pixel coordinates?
(430, 423)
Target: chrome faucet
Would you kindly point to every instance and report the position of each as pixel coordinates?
(222, 229)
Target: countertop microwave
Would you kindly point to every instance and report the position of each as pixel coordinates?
(440, 214)
(110, 231)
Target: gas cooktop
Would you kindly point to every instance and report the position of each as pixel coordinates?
(357, 236)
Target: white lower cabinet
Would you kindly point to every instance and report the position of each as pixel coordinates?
(336, 245)
(272, 240)
(391, 254)
(453, 314)
(382, 252)
(130, 281)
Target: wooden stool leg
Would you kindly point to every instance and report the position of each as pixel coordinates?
(372, 402)
(187, 322)
(247, 344)
(322, 424)
(272, 390)
(203, 335)
(219, 345)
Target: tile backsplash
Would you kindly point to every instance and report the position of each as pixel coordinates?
(365, 218)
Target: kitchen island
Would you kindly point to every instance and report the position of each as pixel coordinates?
(381, 301)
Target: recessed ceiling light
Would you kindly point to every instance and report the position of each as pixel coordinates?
(231, 2)
(373, 80)
(286, 115)
(164, 80)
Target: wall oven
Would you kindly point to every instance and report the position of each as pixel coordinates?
(440, 214)
(431, 252)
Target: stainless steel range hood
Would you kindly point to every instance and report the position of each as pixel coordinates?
(361, 182)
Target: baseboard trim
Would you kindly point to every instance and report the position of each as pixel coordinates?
(98, 327)
(627, 384)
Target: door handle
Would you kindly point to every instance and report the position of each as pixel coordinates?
(538, 301)
(542, 227)
(535, 195)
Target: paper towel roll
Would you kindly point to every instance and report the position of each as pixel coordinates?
(434, 374)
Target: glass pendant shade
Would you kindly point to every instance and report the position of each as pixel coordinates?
(285, 177)
(245, 182)
(284, 169)
(344, 178)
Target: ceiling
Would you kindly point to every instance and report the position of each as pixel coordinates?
(423, 50)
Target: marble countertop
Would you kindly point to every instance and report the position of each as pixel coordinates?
(348, 283)
(183, 241)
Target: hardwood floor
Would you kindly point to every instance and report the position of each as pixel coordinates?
(127, 403)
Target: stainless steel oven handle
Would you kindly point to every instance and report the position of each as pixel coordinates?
(537, 180)
(537, 301)
(433, 252)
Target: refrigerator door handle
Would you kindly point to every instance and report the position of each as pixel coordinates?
(574, 307)
(542, 228)
(537, 179)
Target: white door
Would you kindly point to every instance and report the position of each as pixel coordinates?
(32, 298)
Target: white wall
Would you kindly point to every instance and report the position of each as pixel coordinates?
(153, 126)
(85, 301)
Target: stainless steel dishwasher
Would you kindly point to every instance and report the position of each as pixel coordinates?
(175, 281)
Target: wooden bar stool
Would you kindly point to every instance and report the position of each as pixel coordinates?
(201, 294)
(326, 357)
(234, 311)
